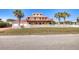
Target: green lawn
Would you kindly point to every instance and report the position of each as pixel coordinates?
(40, 31)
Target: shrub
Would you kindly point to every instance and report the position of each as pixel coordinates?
(4, 24)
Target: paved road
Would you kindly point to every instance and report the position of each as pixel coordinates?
(37, 42)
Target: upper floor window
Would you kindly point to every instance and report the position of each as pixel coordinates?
(40, 14)
(28, 17)
(33, 14)
(37, 14)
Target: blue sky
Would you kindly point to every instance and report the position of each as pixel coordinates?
(8, 13)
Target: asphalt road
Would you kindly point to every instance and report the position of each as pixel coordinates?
(40, 42)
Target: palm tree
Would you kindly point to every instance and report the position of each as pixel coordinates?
(62, 15)
(19, 14)
(77, 19)
(58, 15)
(0, 19)
(65, 15)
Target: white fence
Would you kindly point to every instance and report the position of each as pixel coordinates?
(58, 26)
(38, 26)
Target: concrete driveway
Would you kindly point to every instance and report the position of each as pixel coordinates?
(40, 42)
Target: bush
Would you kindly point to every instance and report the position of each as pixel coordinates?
(4, 24)
(53, 22)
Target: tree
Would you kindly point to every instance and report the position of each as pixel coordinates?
(68, 22)
(58, 15)
(19, 14)
(10, 20)
(65, 15)
(77, 19)
(0, 19)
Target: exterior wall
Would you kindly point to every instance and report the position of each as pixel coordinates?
(77, 23)
(37, 18)
(44, 25)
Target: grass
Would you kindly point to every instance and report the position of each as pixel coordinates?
(40, 31)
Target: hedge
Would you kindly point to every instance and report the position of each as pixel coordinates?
(4, 24)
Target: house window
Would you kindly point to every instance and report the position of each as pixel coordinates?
(45, 17)
(40, 14)
(50, 23)
(40, 23)
(28, 17)
(36, 23)
(37, 14)
(33, 14)
(29, 23)
(35, 18)
(43, 22)
(40, 18)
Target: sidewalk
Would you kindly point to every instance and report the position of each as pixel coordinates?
(4, 29)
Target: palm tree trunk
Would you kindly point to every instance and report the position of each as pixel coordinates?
(59, 21)
(19, 19)
(64, 20)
